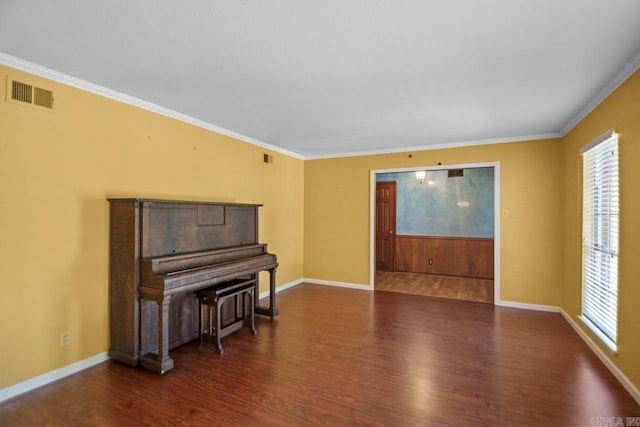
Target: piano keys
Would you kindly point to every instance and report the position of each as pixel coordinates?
(161, 251)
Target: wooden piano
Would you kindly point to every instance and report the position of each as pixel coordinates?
(161, 251)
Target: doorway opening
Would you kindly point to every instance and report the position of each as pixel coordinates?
(446, 241)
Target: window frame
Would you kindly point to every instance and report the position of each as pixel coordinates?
(600, 237)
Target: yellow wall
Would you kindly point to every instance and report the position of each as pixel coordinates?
(337, 215)
(620, 111)
(56, 171)
(540, 186)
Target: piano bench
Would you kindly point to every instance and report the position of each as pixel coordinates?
(213, 297)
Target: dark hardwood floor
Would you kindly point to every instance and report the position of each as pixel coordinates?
(342, 357)
(435, 285)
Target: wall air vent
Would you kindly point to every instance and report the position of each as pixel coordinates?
(25, 93)
(455, 172)
(42, 97)
(21, 92)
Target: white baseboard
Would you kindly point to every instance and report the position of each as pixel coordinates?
(536, 307)
(281, 288)
(626, 383)
(621, 377)
(39, 381)
(338, 284)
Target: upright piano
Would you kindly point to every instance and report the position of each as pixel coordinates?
(161, 251)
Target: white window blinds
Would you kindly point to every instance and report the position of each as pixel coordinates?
(600, 237)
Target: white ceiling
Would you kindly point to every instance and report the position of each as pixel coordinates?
(338, 77)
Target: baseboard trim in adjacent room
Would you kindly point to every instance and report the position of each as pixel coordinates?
(536, 307)
(622, 378)
(44, 379)
(338, 284)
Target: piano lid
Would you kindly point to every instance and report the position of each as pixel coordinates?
(199, 202)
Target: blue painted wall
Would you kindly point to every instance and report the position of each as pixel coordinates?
(443, 206)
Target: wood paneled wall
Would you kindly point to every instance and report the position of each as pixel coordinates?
(458, 256)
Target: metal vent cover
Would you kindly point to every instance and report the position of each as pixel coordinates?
(42, 97)
(21, 91)
(25, 93)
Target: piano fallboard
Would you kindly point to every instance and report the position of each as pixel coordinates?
(181, 273)
(177, 262)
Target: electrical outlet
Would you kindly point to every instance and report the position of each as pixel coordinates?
(430, 261)
(65, 339)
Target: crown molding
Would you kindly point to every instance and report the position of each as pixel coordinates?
(439, 146)
(20, 64)
(600, 96)
(606, 90)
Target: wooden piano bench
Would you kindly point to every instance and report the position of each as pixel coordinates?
(213, 297)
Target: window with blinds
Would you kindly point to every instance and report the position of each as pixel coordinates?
(600, 222)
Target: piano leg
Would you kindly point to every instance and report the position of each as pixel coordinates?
(272, 310)
(161, 362)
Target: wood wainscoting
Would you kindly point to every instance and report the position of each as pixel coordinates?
(456, 256)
